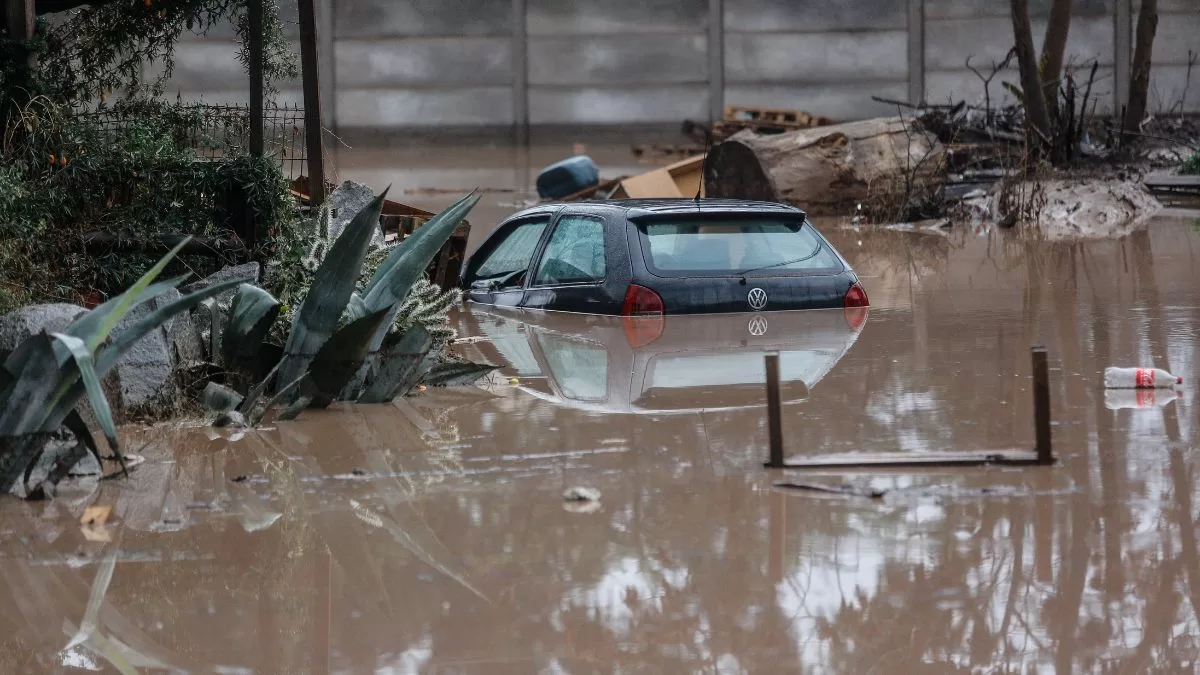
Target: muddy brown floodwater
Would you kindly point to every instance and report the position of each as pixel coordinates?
(432, 536)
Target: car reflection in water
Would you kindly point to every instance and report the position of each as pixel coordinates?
(661, 365)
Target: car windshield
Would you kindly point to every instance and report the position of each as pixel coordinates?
(738, 246)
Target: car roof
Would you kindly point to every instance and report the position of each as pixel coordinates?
(635, 208)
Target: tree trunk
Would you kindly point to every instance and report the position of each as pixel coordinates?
(1053, 52)
(1139, 78)
(1031, 81)
(829, 170)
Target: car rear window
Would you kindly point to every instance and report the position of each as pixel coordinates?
(712, 247)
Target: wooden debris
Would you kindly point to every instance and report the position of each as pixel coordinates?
(840, 490)
(95, 515)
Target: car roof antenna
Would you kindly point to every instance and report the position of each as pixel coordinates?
(704, 162)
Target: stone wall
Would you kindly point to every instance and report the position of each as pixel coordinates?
(393, 65)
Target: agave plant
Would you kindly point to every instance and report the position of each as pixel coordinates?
(45, 377)
(350, 340)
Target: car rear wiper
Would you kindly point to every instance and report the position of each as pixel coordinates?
(784, 263)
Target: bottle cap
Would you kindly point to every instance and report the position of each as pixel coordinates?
(1179, 380)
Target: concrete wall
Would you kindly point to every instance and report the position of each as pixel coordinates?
(417, 64)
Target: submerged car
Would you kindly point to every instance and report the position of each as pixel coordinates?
(662, 256)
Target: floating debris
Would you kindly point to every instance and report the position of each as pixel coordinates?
(581, 494)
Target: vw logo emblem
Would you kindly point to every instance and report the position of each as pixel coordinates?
(758, 326)
(757, 298)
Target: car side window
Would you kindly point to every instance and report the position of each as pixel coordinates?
(580, 367)
(574, 254)
(513, 254)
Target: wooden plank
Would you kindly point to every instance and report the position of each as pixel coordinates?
(312, 100)
(871, 460)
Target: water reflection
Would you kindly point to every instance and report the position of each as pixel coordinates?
(431, 536)
(673, 364)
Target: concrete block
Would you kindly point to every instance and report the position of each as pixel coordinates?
(613, 105)
(420, 18)
(441, 62)
(816, 57)
(559, 17)
(212, 65)
(618, 59)
(384, 108)
(842, 102)
(813, 15)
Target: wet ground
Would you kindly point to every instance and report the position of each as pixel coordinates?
(433, 537)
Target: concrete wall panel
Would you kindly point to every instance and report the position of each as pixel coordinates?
(814, 15)
(839, 102)
(636, 105)
(559, 17)
(389, 108)
(941, 9)
(436, 62)
(624, 59)
(816, 57)
(949, 43)
(422, 18)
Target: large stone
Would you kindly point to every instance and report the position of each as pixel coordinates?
(250, 270)
(147, 369)
(33, 319)
(346, 201)
(22, 323)
(1076, 210)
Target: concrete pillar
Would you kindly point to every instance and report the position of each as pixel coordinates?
(716, 59)
(520, 72)
(916, 51)
(1122, 53)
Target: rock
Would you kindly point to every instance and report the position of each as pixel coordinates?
(250, 270)
(347, 200)
(33, 319)
(182, 335)
(147, 369)
(55, 318)
(231, 418)
(830, 169)
(1076, 210)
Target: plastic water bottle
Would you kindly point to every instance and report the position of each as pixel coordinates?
(1139, 378)
(1121, 399)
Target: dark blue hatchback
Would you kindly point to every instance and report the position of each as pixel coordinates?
(663, 256)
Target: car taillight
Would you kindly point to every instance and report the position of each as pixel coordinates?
(855, 307)
(641, 301)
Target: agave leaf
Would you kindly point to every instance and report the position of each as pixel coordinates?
(36, 375)
(17, 456)
(399, 365)
(94, 333)
(91, 382)
(279, 396)
(342, 356)
(256, 392)
(219, 398)
(68, 395)
(408, 261)
(92, 322)
(332, 285)
(250, 319)
(388, 285)
(456, 374)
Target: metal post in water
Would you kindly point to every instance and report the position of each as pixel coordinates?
(1041, 406)
(774, 414)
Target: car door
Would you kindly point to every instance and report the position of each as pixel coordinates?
(497, 273)
(578, 268)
